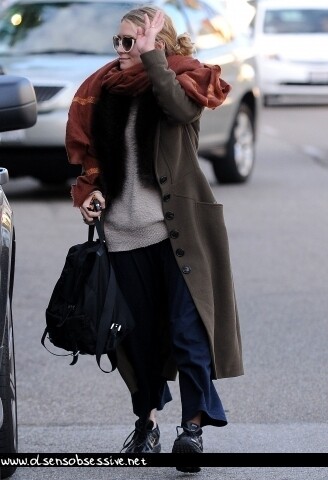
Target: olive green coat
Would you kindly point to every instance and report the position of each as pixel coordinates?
(194, 221)
(193, 217)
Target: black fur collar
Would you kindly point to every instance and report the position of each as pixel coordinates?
(111, 114)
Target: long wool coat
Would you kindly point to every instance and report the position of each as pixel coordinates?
(193, 217)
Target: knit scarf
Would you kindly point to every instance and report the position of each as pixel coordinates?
(200, 81)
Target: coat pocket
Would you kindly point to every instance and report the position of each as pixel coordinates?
(213, 232)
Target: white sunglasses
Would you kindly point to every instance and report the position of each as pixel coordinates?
(126, 42)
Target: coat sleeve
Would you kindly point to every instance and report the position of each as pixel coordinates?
(79, 151)
(171, 97)
(78, 139)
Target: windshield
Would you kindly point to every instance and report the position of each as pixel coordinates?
(296, 21)
(63, 27)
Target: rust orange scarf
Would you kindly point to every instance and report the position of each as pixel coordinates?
(201, 82)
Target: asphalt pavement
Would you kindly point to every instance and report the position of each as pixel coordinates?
(278, 232)
(237, 438)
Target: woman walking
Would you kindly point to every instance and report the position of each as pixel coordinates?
(133, 126)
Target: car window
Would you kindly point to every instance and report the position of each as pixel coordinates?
(296, 20)
(210, 29)
(173, 9)
(207, 27)
(84, 27)
(88, 27)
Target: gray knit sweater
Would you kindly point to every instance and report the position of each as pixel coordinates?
(134, 219)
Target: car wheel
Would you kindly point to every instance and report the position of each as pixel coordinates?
(266, 100)
(8, 430)
(237, 164)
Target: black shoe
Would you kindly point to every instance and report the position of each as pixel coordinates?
(189, 441)
(145, 439)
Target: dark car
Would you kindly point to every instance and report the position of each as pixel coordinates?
(17, 110)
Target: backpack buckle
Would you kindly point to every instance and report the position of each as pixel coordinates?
(116, 326)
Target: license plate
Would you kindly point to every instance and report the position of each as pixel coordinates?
(14, 136)
(319, 77)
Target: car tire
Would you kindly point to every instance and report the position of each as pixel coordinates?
(237, 164)
(266, 100)
(8, 431)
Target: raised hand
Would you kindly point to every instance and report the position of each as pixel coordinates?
(146, 36)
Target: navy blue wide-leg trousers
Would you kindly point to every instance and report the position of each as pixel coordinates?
(152, 282)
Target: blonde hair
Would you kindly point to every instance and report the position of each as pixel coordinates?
(174, 44)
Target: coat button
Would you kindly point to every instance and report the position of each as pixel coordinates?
(179, 252)
(169, 215)
(186, 269)
(166, 197)
(163, 179)
(174, 233)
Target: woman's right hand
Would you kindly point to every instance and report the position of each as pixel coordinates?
(87, 209)
(146, 36)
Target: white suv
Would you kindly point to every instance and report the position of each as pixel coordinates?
(291, 37)
(58, 43)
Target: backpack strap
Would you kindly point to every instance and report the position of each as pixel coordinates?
(100, 230)
(105, 322)
(74, 354)
(106, 326)
(91, 233)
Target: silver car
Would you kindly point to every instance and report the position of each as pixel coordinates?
(58, 43)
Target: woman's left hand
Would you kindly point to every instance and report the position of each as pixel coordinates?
(88, 210)
(146, 37)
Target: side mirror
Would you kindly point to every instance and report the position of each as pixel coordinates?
(18, 108)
